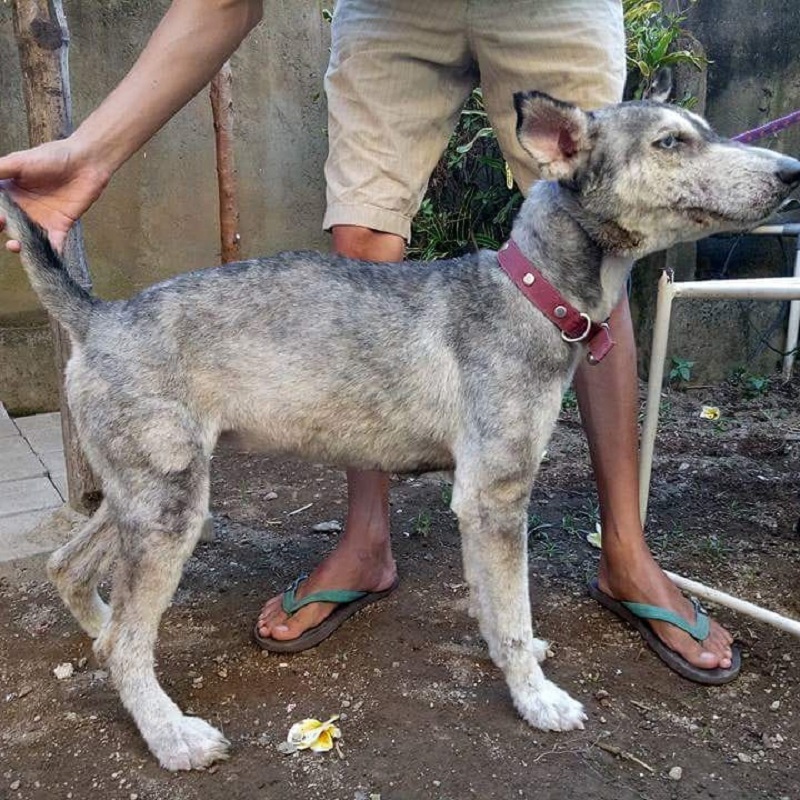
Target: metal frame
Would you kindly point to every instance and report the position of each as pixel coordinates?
(752, 289)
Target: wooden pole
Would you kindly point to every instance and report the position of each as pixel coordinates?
(222, 110)
(43, 40)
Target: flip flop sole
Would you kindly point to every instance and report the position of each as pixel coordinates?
(674, 660)
(318, 634)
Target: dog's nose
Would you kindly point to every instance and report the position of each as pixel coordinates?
(789, 170)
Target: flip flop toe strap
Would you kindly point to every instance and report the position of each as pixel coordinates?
(291, 604)
(698, 630)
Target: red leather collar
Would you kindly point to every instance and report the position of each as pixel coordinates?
(575, 326)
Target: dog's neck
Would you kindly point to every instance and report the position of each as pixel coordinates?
(573, 251)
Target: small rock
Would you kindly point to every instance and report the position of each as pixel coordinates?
(14, 786)
(331, 526)
(82, 662)
(744, 758)
(676, 773)
(271, 496)
(775, 705)
(64, 671)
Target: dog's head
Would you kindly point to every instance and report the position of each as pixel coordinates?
(646, 175)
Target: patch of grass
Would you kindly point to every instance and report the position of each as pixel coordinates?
(583, 522)
(422, 524)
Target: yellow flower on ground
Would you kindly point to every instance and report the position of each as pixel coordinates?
(311, 734)
(709, 412)
(595, 537)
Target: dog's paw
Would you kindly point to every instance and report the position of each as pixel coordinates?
(184, 743)
(550, 709)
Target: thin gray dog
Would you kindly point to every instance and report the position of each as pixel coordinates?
(376, 366)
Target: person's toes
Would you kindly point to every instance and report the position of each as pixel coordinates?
(271, 616)
(712, 653)
(298, 623)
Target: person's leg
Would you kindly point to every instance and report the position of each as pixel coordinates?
(608, 399)
(394, 91)
(575, 51)
(362, 559)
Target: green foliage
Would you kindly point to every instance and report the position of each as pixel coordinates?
(681, 371)
(650, 35)
(470, 201)
(756, 385)
(752, 385)
(422, 524)
(569, 401)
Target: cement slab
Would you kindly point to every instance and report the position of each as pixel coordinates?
(7, 426)
(27, 494)
(43, 437)
(34, 532)
(22, 464)
(15, 541)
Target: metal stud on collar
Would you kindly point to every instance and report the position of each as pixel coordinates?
(528, 278)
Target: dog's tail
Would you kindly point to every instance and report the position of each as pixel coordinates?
(65, 299)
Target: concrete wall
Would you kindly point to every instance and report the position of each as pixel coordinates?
(159, 215)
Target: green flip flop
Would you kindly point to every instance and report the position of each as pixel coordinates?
(638, 614)
(348, 602)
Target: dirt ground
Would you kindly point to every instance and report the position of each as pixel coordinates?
(424, 713)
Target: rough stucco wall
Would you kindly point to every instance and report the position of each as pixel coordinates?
(159, 215)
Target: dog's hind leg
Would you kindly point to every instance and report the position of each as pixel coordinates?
(491, 510)
(160, 523)
(76, 568)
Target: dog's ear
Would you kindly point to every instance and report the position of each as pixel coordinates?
(556, 134)
(660, 86)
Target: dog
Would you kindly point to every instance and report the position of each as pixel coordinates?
(420, 366)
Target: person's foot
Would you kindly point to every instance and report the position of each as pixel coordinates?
(641, 580)
(349, 566)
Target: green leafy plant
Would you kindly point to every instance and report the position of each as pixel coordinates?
(471, 200)
(422, 524)
(756, 385)
(569, 402)
(681, 371)
(651, 37)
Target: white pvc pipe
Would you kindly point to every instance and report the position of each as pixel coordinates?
(742, 288)
(750, 609)
(764, 289)
(793, 326)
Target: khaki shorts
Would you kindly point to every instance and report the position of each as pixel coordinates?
(401, 70)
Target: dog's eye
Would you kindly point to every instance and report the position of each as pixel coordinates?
(668, 142)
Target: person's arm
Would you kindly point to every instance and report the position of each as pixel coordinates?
(57, 182)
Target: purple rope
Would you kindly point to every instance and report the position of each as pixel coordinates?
(770, 127)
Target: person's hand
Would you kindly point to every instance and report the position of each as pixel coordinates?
(54, 184)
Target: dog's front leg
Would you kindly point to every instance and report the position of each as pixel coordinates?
(492, 519)
(152, 555)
